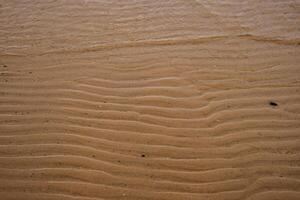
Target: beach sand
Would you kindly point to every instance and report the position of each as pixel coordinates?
(149, 100)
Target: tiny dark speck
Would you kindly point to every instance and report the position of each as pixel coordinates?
(4, 65)
(272, 103)
(143, 155)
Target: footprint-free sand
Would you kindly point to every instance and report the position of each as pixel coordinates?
(149, 100)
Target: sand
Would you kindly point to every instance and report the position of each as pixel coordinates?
(149, 100)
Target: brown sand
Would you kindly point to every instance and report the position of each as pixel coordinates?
(149, 100)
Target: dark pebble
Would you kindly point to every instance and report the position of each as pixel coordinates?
(272, 103)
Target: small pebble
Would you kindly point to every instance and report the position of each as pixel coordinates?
(272, 103)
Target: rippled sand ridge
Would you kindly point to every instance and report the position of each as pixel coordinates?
(149, 100)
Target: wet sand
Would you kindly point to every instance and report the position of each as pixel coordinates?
(149, 100)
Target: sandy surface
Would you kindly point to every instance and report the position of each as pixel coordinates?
(149, 100)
